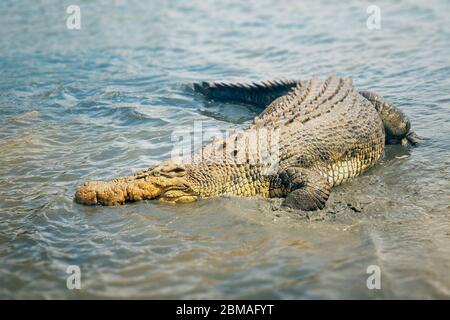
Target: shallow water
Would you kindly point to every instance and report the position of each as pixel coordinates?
(103, 101)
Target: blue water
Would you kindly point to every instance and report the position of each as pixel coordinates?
(103, 101)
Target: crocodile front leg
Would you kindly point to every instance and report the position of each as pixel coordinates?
(307, 189)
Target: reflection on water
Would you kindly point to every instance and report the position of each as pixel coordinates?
(104, 100)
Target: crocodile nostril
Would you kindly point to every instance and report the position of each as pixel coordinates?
(86, 195)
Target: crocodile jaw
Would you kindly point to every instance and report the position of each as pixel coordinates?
(120, 191)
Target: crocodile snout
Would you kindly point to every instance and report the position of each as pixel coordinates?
(101, 192)
(86, 195)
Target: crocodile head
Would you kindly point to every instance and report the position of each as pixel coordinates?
(166, 182)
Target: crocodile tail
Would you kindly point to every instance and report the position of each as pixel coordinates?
(259, 94)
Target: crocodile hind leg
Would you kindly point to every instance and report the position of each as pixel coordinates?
(396, 124)
(259, 94)
(308, 190)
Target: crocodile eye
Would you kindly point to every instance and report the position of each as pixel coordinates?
(173, 171)
(156, 173)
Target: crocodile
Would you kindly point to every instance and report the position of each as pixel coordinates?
(327, 133)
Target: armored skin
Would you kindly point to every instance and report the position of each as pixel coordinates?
(316, 134)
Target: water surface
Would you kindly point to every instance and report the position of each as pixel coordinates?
(103, 101)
